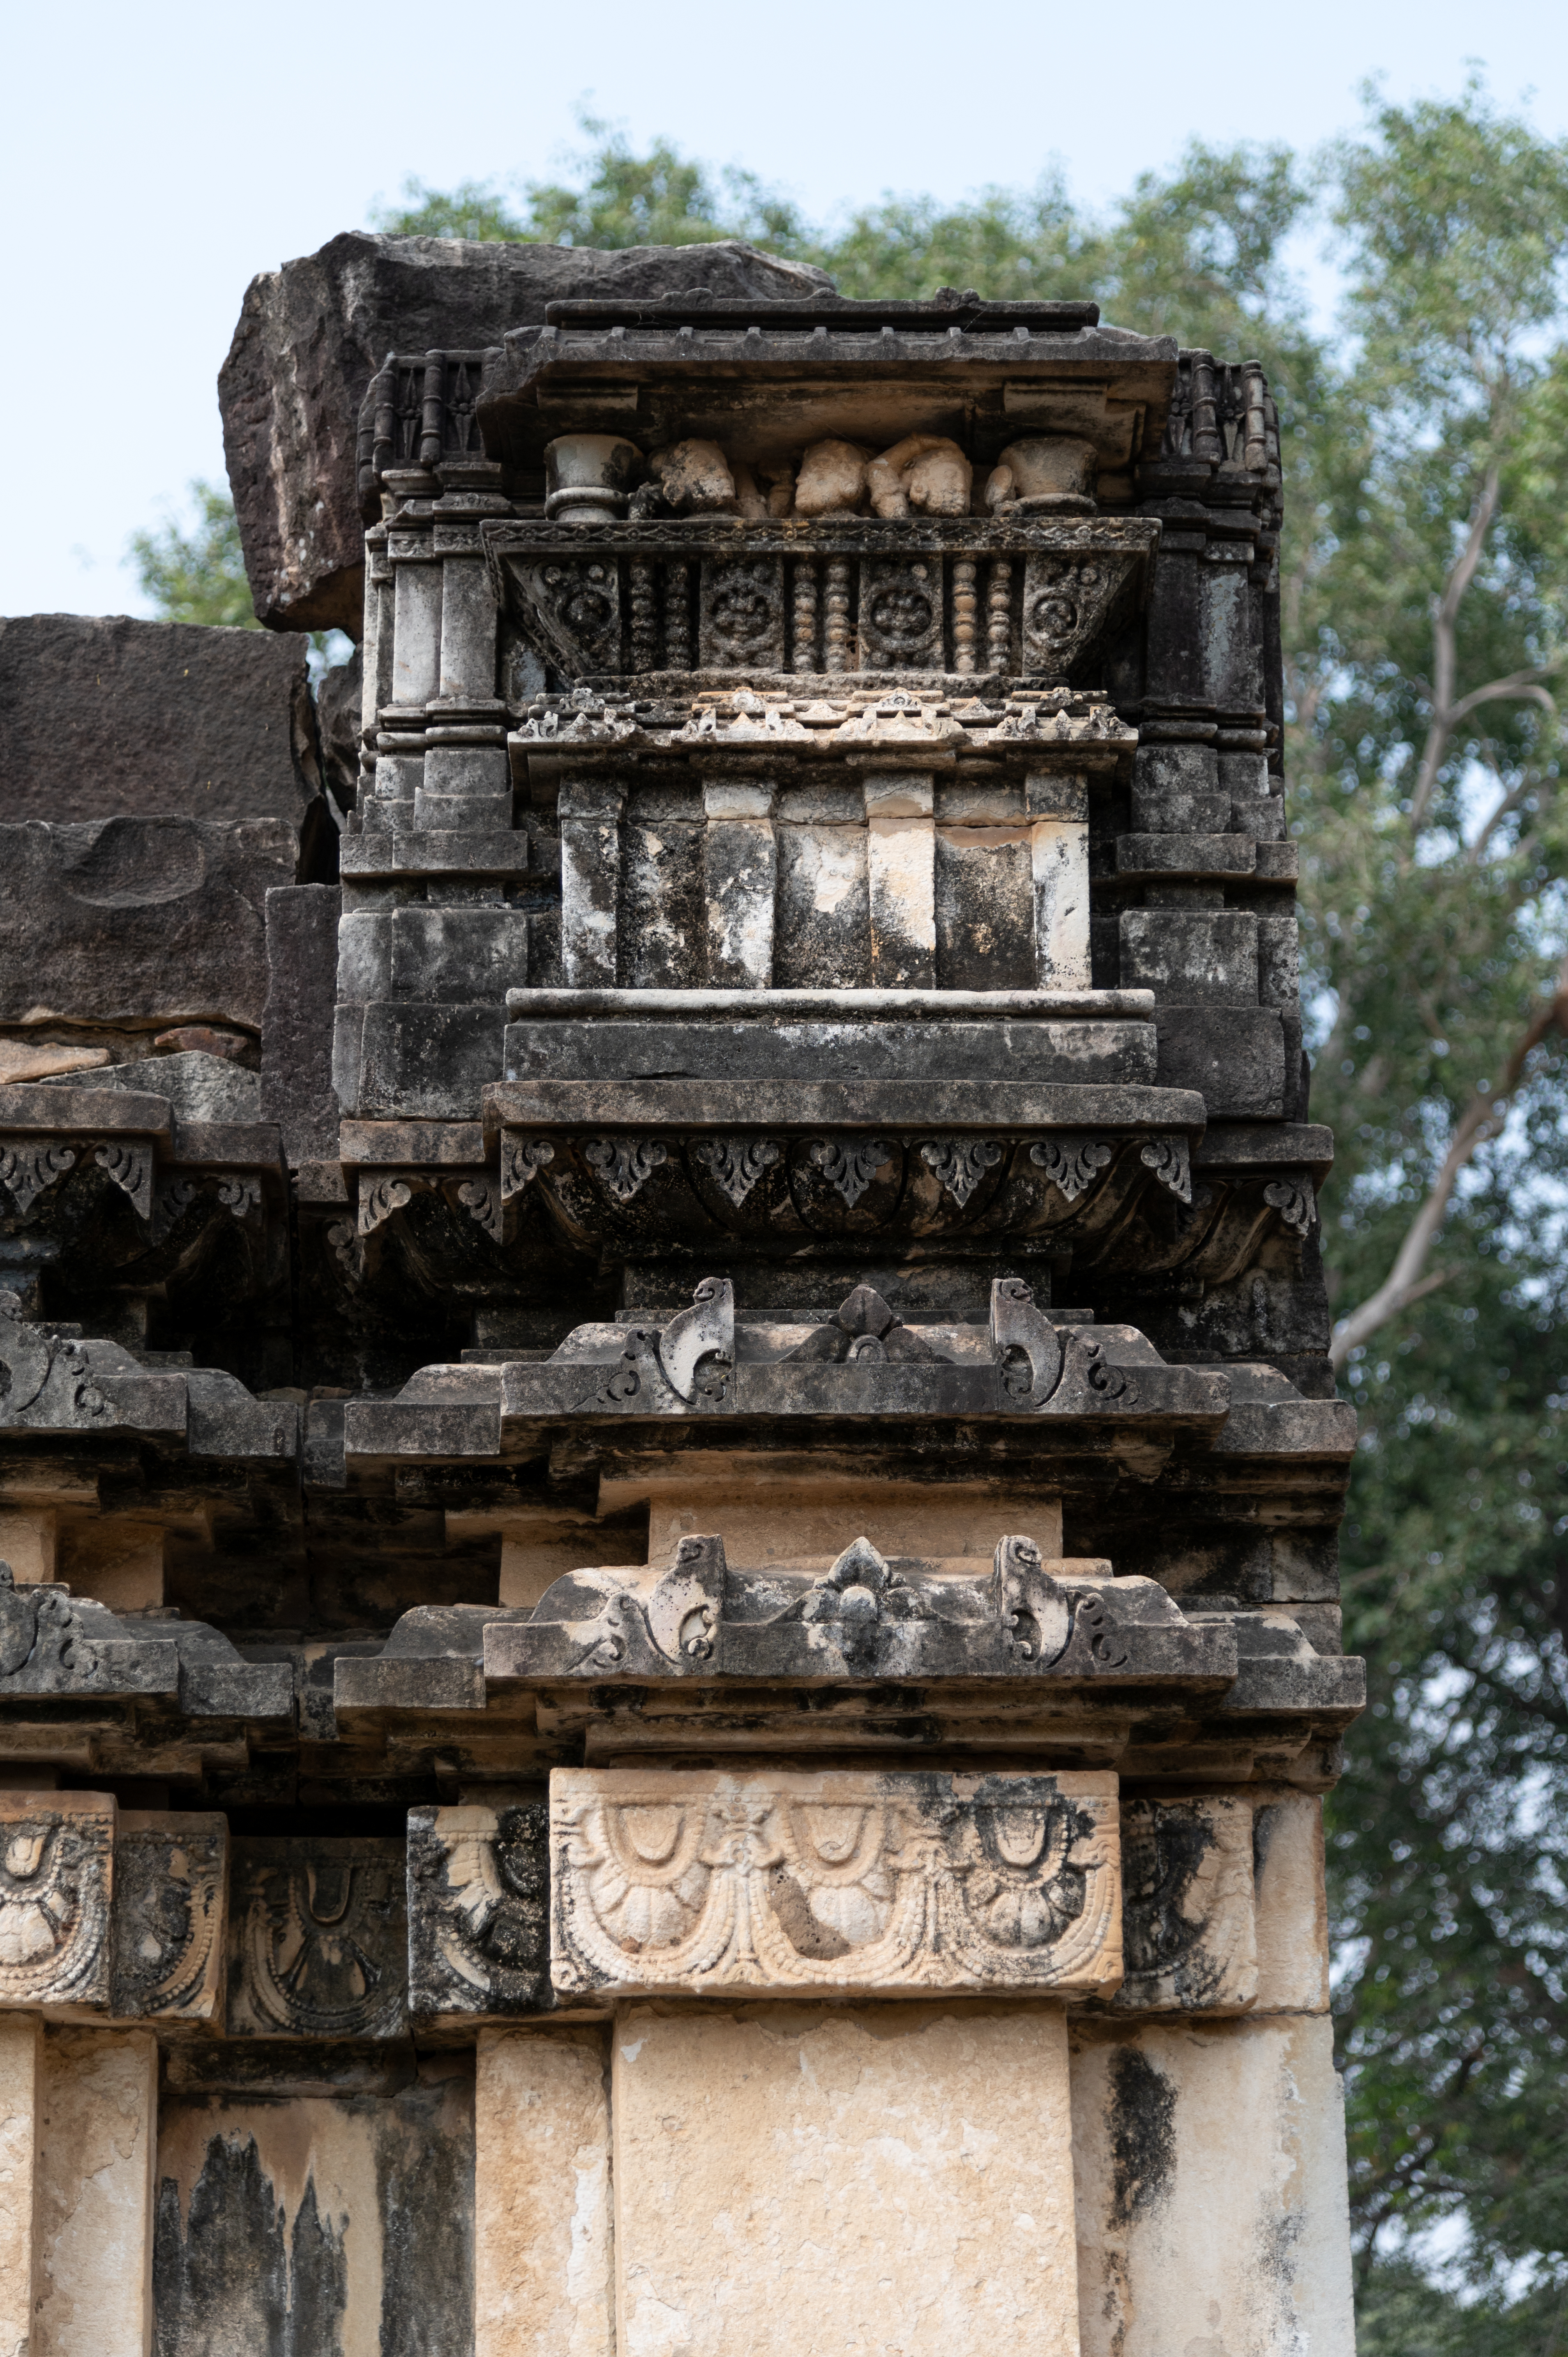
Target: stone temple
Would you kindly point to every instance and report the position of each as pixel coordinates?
(667, 1462)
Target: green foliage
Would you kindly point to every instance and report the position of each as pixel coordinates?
(197, 574)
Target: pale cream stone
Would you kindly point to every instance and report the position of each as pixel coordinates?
(1291, 1903)
(21, 2120)
(94, 2261)
(695, 478)
(783, 1510)
(543, 2284)
(925, 471)
(868, 2182)
(1212, 2210)
(58, 1849)
(832, 480)
(21, 1060)
(29, 1543)
(1057, 469)
(861, 1882)
(1058, 858)
(900, 861)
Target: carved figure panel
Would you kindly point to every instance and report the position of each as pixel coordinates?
(742, 615)
(858, 1883)
(478, 1912)
(1187, 1918)
(317, 1940)
(901, 614)
(56, 1874)
(171, 1894)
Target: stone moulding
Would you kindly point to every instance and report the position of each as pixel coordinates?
(861, 1883)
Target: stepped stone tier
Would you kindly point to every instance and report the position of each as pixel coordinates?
(668, 1646)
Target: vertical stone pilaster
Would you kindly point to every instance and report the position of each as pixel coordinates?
(544, 2283)
(21, 2121)
(591, 811)
(900, 858)
(416, 612)
(1058, 836)
(902, 2175)
(740, 884)
(94, 2258)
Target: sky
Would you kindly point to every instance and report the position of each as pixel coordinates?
(156, 157)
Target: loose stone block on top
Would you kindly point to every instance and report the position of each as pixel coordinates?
(850, 1881)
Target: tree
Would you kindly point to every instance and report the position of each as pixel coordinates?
(196, 574)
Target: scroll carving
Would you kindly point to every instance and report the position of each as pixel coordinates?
(170, 1916)
(1187, 1910)
(960, 1164)
(856, 1882)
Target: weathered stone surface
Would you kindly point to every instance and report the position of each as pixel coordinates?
(100, 715)
(22, 2106)
(1187, 1921)
(312, 334)
(863, 1884)
(57, 1872)
(478, 1912)
(910, 2165)
(296, 1031)
(1291, 1903)
(170, 1917)
(545, 2278)
(318, 1939)
(144, 921)
(329, 2209)
(1212, 2210)
(94, 2224)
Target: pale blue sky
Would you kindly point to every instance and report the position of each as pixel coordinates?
(155, 157)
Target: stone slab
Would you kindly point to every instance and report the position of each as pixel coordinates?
(857, 1883)
(1102, 1054)
(100, 714)
(140, 919)
(1291, 1903)
(296, 1033)
(318, 1939)
(94, 2263)
(170, 1916)
(1212, 2210)
(901, 2176)
(543, 2276)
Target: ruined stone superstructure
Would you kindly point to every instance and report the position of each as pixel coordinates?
(667, 1453)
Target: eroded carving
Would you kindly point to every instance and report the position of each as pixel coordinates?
(130, 1169)
(483, 1202)
(1187, 1908)
(170, 1916)
(478, 1911)
(56, 1880)
(522, 1158)
(849, 1165)
(736, 1164)
(1171, 1161)
(1072, 1165)
(1294, 1201)
(28, 1169)
(379, 1199)
(1025, 1342)
(858, 1883)
(696, 1350)
(624, 1164)
(317, 1940)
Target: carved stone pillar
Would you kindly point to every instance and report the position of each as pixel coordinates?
(544, 2275)
(900, 858)
(740, 882)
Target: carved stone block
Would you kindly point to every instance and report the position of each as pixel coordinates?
(57, 1873)
(171, 1910)
(317, 1940)
(854, 1882)
(1187, 1920)
(478, 1912)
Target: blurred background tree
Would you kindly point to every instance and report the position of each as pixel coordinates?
(1425, 596)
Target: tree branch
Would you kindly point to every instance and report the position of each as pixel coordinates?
(1481, 1120)
(1443, 649)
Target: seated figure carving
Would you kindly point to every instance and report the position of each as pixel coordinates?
(832, 480)
(925, 471)
(1047, 471)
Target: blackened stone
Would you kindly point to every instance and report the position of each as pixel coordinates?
(142, 920)
(312, 334)
(296, 1028)
(1234, 1055)
(338, 721)
(101, 714)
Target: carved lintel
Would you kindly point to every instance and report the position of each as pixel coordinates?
(962, 1163)
(27, 1169)
(1170, 1160)
(56, 1876)
(624, 1164)
(522, 1158)
(170, 1915)
(854, 1882)
(478, 1912)
(1071, 1163)
(1295, 1202)
(1187, 1917)
(1026, 1344)
(130, 1169)
(849, 1165)
(318, 1939)
(736, 1164)
(481, 1199)
(696, 1348)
